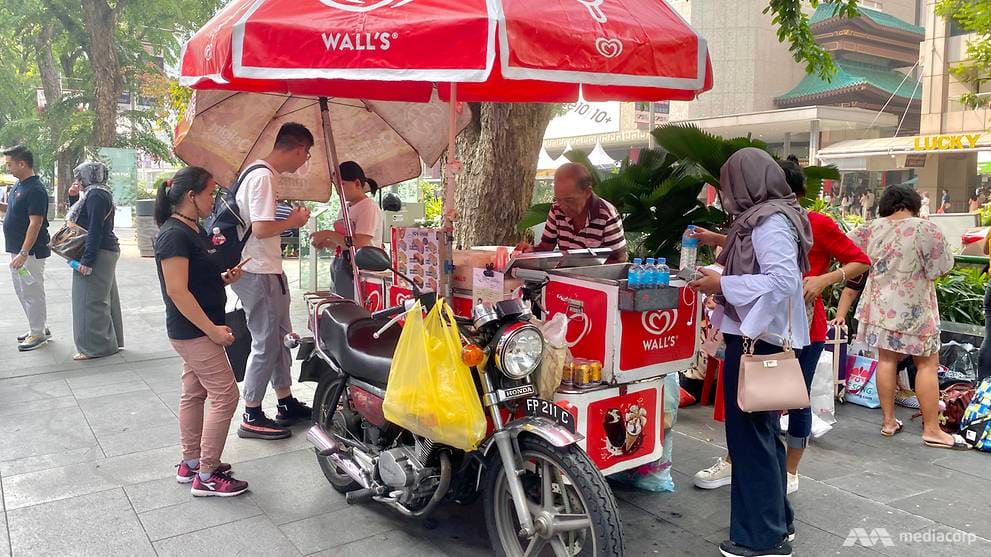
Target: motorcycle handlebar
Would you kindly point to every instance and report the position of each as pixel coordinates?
(426, 299)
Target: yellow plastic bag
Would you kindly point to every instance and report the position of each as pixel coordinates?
(431, 392)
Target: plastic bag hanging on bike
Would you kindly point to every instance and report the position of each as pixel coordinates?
(431, 392)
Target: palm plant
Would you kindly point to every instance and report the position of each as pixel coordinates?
(659, 195)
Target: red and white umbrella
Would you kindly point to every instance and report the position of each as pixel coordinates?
(467, 50)
(495, 50)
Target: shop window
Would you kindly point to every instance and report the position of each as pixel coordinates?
(957, 30)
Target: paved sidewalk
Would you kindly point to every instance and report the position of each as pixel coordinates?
(87, 452)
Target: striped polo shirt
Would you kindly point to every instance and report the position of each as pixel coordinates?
(604, 228)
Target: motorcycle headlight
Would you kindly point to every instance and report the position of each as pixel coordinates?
(519, 350)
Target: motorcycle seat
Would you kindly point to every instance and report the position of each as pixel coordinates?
(346, 331)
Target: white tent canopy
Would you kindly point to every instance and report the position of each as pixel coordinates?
(599, 158)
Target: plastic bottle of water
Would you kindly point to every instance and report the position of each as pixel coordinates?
(663, 272)
(218, 236)
(634, 277)
(650, 273)
(25, 275)
(689, 249)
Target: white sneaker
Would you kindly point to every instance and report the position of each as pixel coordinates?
(715, 476)
(792, 483)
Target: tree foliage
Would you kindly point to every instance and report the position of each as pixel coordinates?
(973, 16)
(84, 55)
(793, 28)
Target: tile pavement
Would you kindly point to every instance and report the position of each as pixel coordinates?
(87, 453)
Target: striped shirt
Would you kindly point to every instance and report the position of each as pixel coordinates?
(603, 230)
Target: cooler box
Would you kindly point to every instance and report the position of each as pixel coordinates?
(632, 345)
(623, 425)
(374, 289)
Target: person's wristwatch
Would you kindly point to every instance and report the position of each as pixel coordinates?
(23, 253)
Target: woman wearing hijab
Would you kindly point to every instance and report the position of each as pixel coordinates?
(96, 321)
(763, 259)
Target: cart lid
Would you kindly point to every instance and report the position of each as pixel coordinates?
(584, 257)
(537, 261)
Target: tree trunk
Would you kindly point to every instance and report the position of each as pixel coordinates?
(51, 82)
(101, 21)
(499, 151)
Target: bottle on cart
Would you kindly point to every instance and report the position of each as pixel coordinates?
(218, 237)
(663, 272)
(650, 273)
(689, 250)
(634, 276)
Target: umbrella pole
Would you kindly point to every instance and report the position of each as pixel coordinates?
(449, 183)
(333, 164)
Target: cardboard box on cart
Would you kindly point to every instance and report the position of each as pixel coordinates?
(632, 345)
(623, 425)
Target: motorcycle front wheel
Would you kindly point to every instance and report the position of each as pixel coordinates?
(570, 502)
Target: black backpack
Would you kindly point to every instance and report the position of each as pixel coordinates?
(227, 217)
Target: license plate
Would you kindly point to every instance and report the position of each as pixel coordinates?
(551, 411)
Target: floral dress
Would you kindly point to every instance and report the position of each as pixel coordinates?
(898, 310)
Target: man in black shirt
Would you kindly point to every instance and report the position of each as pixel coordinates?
(25, 231)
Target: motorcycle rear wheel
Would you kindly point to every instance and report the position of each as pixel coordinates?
(561, 485)
(332, 420)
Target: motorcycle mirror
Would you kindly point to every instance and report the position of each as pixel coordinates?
(370, 258)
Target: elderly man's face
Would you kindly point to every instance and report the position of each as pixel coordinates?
(569, 196)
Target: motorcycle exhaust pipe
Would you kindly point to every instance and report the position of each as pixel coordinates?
(323, 442)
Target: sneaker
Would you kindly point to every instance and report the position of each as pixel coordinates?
(730, 549)
(32, 342)
(185, 474)
(715, 476)
(22, 338)
(220, 484)
(791, 533)
(293, 411)
(792, 483)
(261, 428)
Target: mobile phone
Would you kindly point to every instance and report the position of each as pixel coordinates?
(242, 263)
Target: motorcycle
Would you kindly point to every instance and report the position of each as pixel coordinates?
(542, 495)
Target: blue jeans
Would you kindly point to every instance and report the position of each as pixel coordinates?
(800, 421)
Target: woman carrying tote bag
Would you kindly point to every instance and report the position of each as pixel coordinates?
(97, 327)
(765, 254)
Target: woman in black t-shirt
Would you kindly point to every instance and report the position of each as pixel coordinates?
(193, 281)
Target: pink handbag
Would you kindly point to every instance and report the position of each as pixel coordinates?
(772, 381)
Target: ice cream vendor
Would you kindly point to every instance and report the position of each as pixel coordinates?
(579, 218)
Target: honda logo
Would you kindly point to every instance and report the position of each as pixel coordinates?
(361, 6)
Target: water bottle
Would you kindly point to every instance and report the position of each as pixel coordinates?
(74, 264)
(218, 236)
(25, 275)
(634, 276)
(663, 272)
(689, 250)
(650, 273)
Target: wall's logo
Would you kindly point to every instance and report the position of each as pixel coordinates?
(361, 6)
(595, 9)
(860, 536)
(609, 48)
(659, 322)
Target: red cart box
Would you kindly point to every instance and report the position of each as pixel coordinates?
(623, 425)
(632, 345)
(374, 288)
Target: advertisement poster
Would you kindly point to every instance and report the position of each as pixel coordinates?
(582, 118)
(123, 166)
(417, 254)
